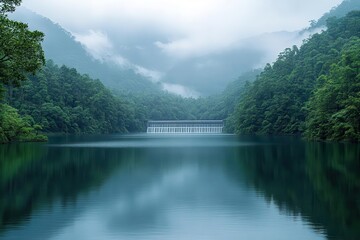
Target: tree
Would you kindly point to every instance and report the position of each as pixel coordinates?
(13, 127)
(325, 70)
(20, 53)
(334, 109)
(20, 48)
(8, 6)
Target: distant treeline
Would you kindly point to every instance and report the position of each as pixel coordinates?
(61, 100)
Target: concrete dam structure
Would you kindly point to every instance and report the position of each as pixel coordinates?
(185, 127)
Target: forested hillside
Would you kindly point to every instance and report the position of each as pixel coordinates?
(340, 11)
(61, 47)
(63, 101)
(334, 108)
(314, 89)
(221, 106)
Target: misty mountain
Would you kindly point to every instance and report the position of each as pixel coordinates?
(220, 106)
(211, 74)
(197, 75)
(338, 11)
(203, 75)
(251, 53)
(60, 46)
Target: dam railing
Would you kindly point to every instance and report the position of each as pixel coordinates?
(185, 127)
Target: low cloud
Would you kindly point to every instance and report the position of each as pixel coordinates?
(153, 75)
(180, 90)
(99, 46)
(275, 43)
(96, 42)
(191, 48)
(192, 28)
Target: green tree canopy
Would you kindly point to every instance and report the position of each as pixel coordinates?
(323, 72)
(8, 5)
(20, 48)
(20, 53)
(334, 109)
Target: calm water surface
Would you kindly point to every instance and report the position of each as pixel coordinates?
(179, 187)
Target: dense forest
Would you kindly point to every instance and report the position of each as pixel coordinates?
(61, 100)
(64, 101)
(20, 53)
(314, 89)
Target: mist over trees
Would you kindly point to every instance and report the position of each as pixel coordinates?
(339, 11)
(62, 48)
(314, 89)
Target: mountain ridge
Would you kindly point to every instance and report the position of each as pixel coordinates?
(61, 46)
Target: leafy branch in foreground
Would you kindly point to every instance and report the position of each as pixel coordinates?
(20, 53)
(8, 6)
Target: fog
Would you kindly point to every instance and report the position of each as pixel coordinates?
(192, 47)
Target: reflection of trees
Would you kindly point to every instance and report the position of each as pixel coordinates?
(334, 171)
(31, 176)
(320, 182)
(15, 160)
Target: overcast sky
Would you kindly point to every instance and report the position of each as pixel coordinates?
(192, 27)
(160, 38)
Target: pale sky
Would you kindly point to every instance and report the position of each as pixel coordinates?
(191, 27)
(167, 40)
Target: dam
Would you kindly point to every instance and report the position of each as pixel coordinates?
(185, 127)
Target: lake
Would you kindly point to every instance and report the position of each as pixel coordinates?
(179, 187)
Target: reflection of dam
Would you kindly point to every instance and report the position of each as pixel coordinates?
(185, 126)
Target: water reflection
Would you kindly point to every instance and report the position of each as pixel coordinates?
(334, 171)
(318, 181)
(34, 176)
(136, 187)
